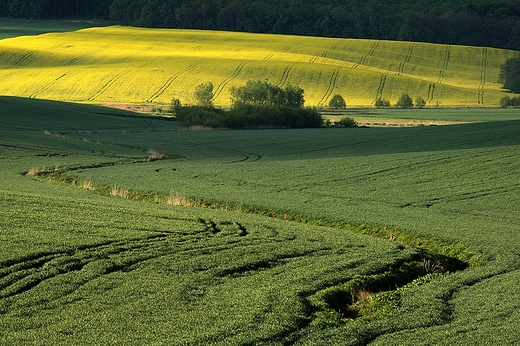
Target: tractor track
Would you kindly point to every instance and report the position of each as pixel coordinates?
(400, 69)
(285, 76)
(221, 86)
(330, 89)
(480, 96)
(170, 81)
(364, 58)
(47, 86)
(381, 86)
(107, 86)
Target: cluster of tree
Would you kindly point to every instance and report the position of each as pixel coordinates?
(258, 93)
(404, 101)
(510, 74)
(472, 22)
(506, 101)
(257, 104)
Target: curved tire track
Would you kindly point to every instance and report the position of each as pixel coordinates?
(330, 89)
(170, 80)
(400, 69)
(285, 76)
(381, 86)
(47, 86)
(364, 58)
(107, 86)
(222, 85)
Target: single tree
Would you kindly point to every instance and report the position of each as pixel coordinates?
(405, 101)
(419, 102)
(204, 94)
(337, 102)
(510, 74)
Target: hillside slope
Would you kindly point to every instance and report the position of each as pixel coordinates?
(134, 65)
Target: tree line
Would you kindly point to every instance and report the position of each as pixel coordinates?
(494, 23)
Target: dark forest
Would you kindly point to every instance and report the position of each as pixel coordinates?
(475, 22)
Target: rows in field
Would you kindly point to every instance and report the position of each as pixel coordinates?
(139, 65)
(192, 264)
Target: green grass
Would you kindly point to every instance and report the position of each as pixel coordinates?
(107, 65)
(78, 266)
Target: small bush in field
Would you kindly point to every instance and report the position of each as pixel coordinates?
(346, 122)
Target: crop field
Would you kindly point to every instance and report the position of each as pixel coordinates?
(107, 249)
(119, 228)
(150, 66)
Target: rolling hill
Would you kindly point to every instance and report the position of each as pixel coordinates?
(152, 66)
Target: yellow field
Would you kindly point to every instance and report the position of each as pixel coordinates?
(135, 65)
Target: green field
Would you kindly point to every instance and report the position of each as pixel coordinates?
(106, 65)
(80, 266)
(119, 228)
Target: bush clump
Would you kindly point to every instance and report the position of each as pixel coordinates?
(405, 101)
(380, 103)
(247, 116)
(346, 122)
(506, 102)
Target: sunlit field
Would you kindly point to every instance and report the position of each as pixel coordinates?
(152, 66)
(122, 228)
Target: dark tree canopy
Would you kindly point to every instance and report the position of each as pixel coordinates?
(204, 94)
(510, 74)
(405, 101)
(258, 93)
(494, 23)
(338, 102)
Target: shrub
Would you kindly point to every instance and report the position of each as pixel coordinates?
(419, 102)
(380, 103)
(247, 116)
(507, 101)
(405, 101)
(346, 122)
(337, 102)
